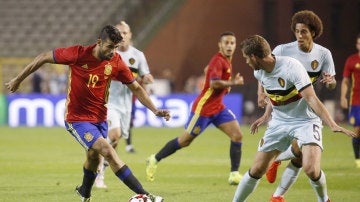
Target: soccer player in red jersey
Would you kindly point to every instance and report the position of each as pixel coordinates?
(352, 73)
(208, 108)
(91, 70)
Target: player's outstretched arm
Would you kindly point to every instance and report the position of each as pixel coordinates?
(221, 84)
(345, 83)
(262, 97)
(309, 95)
(144, 98)
(263, 119)
(13, 84)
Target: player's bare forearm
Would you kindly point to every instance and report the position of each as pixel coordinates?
(309, 95)
(321, 111)
(221, 84)
(34, 65)
(262, 97)
(144, 99)
(344, 89)
(142, 96)
(263, 119)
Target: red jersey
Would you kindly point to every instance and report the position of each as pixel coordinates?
(210, 101)
(89, 81)
(352, 69)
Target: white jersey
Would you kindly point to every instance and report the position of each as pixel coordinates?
(318, 60)
(282, 86)
(120, 96)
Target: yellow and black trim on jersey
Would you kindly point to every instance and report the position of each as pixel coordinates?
(314, 76)
(284, 97)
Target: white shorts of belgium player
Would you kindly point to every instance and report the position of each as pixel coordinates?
(279, 134)
(119, 119)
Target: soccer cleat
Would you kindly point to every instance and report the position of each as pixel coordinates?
(272, 172)
(99, 182)
(151, 168)
(129, 149)
(154, 198)
(234, 178)
(83, 198)
(357, 162)
(277, 199)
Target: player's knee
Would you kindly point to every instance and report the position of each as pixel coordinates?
(312, 172)
(256, 172)
(185, 143)
(107, 152)
(114, 143)
(357, 134)
(297, 162)
(236, 137)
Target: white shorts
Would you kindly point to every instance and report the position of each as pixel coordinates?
(119, 119)
(279, 134)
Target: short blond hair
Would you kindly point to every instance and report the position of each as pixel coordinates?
(123, 23)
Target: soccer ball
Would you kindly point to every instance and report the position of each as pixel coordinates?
(140, 198)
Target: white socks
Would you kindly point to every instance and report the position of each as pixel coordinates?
(285, 155)
(320, 188)
(288, 178)
(246, 186)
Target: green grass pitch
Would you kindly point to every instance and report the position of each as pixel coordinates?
(45, 164)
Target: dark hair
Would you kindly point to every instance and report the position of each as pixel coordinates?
(310, 19)
(110, 32)
(227, 33)
(255, 45)
(358, 36)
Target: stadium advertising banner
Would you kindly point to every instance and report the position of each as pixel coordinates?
(33, 110)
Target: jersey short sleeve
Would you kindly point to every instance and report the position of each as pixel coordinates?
(300, 78)
(277, 50)
(123, 73)
(328, 66)
(143, 65)
(67, 55)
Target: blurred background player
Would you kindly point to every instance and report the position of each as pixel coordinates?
(208, 108)
(318, 62)
(352, 73)
(296, 114)
(91, 70)
(120, 104)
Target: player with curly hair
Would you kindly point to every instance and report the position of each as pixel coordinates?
(318, 62)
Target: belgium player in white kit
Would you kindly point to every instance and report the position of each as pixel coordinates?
(319, 65)
(296, 109)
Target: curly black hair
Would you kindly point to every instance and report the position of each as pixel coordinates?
(310, 19)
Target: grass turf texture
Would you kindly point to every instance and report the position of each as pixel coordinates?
(45, 164)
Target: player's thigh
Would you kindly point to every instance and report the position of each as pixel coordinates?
(87, 133)
(185, 139)
(311, 155)
(262, 162)
(357, 131)
(295, 148)
(231, 129)
(354, 115)
(226, 121)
